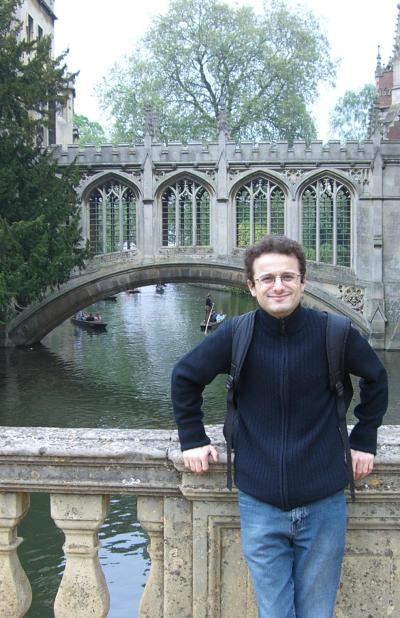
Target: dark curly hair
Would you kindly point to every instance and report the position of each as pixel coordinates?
(274, 244)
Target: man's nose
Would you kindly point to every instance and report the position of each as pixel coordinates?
(278, 283)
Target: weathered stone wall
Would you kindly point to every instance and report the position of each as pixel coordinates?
(197, 568)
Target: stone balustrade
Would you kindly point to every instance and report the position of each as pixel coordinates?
(196, 565)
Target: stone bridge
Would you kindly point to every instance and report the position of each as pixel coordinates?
(185, 213)
(107, 275)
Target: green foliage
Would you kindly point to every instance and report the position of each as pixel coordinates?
(89, 132)
(40, 239)
(349, 118)
(204, 55)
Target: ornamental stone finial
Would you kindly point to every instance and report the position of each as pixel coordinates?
(223, 124)
(378, 70)
(151, 123)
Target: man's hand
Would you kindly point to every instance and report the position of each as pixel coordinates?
(197, 459)
(363, 464)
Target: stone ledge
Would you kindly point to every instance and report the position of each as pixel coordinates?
(135, 444)
(139, 461)
(86, 443)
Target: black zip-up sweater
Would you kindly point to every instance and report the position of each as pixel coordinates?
(288, 450)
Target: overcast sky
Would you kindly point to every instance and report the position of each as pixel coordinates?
(99, 32)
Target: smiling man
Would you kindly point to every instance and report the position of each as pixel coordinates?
(290, 467)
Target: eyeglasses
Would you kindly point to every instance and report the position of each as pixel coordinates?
(269, 279)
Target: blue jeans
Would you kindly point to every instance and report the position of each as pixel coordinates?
(294, 557)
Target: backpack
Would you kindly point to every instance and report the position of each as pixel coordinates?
(337, 330)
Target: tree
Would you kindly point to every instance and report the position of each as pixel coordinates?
(349, 118)
(40, 239)
(204, 55)
(89, 132)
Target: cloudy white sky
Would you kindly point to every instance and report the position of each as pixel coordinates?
(99, 32)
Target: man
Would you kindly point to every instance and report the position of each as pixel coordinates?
(289, 462)
(209, 306)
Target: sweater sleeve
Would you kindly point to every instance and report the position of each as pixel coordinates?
(362, 361)
(189, 377)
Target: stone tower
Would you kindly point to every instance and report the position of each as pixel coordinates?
(385, 115)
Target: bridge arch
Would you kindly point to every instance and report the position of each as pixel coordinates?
(37, 321)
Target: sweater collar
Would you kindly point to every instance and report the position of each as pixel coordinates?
(290, 324)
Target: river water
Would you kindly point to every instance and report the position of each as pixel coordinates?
(117, 378)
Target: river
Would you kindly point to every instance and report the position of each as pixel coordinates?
(117, 378)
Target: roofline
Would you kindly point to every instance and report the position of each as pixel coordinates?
(48, 10)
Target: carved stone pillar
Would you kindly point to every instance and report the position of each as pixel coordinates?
(178, 557)
(221, 584)
(15, 590)
(150, 513)
(83, 590)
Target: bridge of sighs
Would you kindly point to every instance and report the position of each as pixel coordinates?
(187, 212)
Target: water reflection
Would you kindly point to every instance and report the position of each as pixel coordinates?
(117, 378)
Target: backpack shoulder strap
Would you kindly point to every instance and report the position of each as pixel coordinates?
(242, 333)
(337, 330)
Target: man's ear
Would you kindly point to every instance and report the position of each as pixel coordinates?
(251, 286)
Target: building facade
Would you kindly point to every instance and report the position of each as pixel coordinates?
(37, 18)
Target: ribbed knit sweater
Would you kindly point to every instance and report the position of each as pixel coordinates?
(288, 450)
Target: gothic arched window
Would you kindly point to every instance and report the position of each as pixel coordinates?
(112, 218)
(185, 215)
(260, 210)
(326, 222)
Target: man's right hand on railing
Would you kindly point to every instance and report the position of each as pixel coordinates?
(197, 459)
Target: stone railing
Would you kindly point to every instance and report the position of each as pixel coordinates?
(197, 569)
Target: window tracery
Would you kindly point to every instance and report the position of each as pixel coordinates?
(260, 210)
(326, 222)
(185, 215)
(112, 218)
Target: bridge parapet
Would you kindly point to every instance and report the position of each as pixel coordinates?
(193, 523)
(315, 153)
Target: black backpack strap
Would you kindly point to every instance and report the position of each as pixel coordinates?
(337, 330)
(242, 333)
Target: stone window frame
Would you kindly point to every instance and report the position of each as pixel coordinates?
(338, 184)
(194, 212)
(114, 181)
(273, 185)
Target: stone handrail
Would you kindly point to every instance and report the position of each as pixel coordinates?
(197, 569)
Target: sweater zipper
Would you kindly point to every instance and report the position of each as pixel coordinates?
(283, 394)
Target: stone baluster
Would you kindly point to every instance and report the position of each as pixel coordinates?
(83, 590)
(15, 590)
(150, 513)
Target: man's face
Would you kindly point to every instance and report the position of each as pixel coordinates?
(277, 296)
